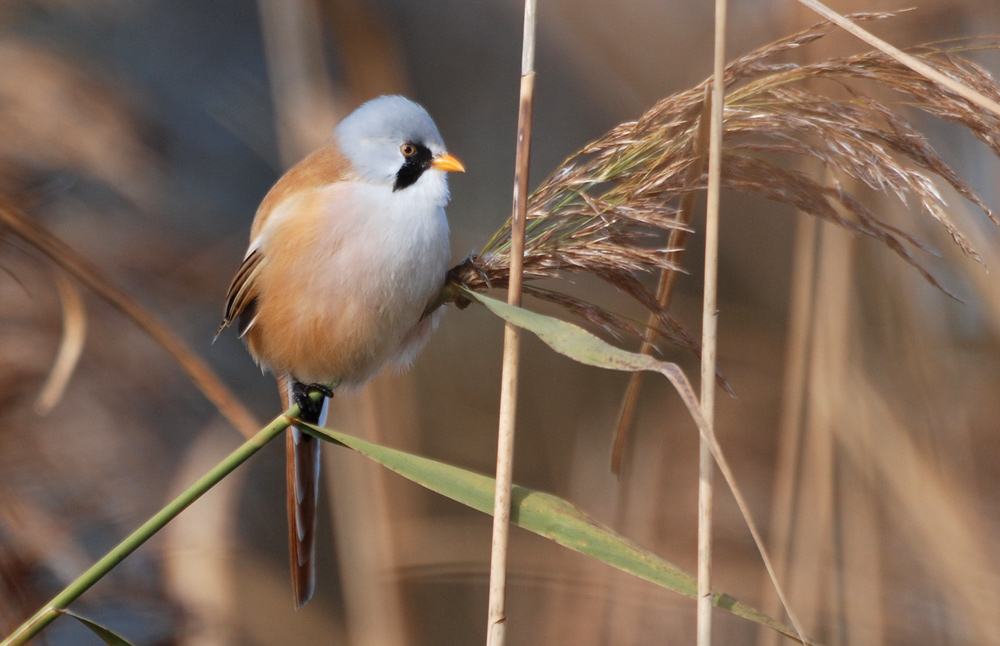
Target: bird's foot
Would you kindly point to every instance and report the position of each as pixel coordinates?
(468, 274)
(309, 410)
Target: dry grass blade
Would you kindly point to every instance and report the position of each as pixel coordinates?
(608, 209)
(70, 347)
(582, 346)
(14, 222)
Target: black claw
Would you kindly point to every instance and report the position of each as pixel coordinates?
(470, 275)
(309, 410)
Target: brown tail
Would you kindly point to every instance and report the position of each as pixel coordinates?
(302, 464)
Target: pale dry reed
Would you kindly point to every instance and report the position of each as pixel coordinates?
(606, 211)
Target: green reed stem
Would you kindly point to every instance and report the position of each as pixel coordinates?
(54, 608)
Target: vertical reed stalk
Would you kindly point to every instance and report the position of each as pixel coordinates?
(708, 331)
(497, 617)
(793, 401)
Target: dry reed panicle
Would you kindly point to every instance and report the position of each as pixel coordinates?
(605, 211)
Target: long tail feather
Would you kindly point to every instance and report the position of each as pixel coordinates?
(302, 469)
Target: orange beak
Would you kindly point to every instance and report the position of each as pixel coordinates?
(447, 163)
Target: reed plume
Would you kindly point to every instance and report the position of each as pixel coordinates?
(606, 210)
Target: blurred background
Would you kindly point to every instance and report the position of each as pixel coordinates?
(145, 132)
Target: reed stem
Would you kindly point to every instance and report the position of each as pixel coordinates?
(706, 467)
(497, 614)
(85, 581)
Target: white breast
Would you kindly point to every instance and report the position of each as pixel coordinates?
(375, 259)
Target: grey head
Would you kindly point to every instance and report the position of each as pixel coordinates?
(390, 140)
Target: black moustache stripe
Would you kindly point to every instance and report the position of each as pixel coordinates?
(413, 168)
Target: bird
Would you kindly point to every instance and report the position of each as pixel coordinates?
(348, 253)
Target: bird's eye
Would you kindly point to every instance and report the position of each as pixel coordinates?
(408, 150)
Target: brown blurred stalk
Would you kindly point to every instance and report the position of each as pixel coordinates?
(45, 242)
(668, 278)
